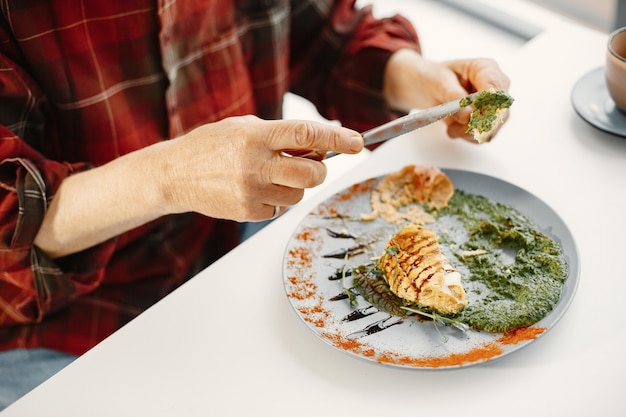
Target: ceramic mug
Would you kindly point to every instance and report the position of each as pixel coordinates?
(616, 67)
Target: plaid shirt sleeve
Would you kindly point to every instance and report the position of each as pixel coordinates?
(32, 284)
(59, 111)
(341, 69)
(80, 86)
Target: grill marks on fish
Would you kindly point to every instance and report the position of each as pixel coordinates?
(417, 270)
(414, 265)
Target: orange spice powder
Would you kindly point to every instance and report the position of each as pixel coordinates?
(325, 210)
(300, 257)
(523, 334)
(301, 289)
(480, 353)
(306, 235)
(356, 190)
(477, 354)
(315, 315)
(350, 345)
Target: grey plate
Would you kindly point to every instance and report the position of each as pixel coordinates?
(410, 343)
(592, 102)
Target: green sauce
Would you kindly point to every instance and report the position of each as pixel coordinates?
(487, 105)
(513, 273)
(519, 277)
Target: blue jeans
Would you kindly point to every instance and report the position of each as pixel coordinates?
(21, 370)
(248, 229)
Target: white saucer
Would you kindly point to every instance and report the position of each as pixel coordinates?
(592, 102)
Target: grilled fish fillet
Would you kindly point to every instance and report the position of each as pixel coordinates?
(417, 271)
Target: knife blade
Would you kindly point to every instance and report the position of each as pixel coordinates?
(411, 122)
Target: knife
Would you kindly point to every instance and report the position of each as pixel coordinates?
(411, 122)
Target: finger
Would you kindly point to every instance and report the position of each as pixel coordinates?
(489, 75)
(274, 201)
(314, 154)
(267, 212)
(276, 211)
(457, 131)
(479, 74)
(309, 135)
(484, 74)
(279, 195)
(295, 172)
(462, 117)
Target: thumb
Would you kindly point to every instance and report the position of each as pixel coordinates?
(300, 137)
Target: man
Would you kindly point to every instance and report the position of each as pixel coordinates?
(135, 134)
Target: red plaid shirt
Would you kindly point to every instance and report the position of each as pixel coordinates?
(82, 83)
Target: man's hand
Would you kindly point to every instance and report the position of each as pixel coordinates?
(413, 82)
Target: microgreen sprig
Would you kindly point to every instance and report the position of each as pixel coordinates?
(438, 319)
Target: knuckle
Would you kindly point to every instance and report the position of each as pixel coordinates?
(304, 133)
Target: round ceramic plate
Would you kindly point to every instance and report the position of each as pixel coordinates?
(311, 284)
(592, 102)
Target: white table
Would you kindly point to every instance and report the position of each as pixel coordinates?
(203, 352)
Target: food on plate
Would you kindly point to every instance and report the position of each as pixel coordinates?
(516, 271)
(493, 268)
(361, 286)
(394, 196)
(431, 186)
(488, 112)
(417, 271)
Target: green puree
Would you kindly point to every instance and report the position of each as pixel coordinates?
(509, 291)
(487, 104)
(512, 273)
